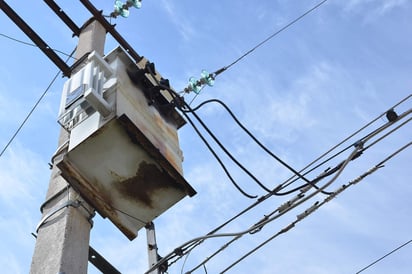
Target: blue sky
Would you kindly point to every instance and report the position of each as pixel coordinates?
(301, 93)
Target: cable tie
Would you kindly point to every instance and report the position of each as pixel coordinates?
(358, 143)
(306, 188)
(335, 193)
(257, 224)
(179, 251)
(391, 115)
(360, 178)
(308, 211)
(286, 229)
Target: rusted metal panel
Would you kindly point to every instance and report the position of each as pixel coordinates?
(124, 176)
(131, 101)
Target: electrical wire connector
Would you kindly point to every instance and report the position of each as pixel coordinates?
(287, 228)
(305, 188)
(196, 86)
(259, 225)
(308, 211)
(123, 9)
(289, 203)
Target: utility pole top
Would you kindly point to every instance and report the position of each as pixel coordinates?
(92, 38)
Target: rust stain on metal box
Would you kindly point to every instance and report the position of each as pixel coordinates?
(124, 176)
(143, 187)
(167, 163)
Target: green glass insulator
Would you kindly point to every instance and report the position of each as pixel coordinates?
(208, 78)
(193, 85)
(136, 3)
(119, 9)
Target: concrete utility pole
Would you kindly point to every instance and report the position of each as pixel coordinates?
(62, 244)
(152, 249)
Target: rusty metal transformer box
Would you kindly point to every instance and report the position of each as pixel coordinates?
(123, 154)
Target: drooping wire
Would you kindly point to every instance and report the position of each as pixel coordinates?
(180, 103)
(253, 177)
(384, 256)
(262, 146)
(33, 108)
(217, 158)
(300, 217)
(185, 108)
(296, 173)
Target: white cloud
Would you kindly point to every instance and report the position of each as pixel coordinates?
(10, 263)
(21, 171)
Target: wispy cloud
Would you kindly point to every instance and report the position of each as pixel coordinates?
(183, 26)
(372, 9)
(10, 263)
(22, 175)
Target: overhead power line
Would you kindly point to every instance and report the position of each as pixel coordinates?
(272, 35)
(197, 85)
(33, 108)
(383, 257)
(317, 205)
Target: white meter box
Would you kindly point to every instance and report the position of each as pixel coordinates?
(123, 155)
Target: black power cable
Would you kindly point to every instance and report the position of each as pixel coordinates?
(179, 102)
(185, 108)
(217, 158)
(294, 171)
(226, 151)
